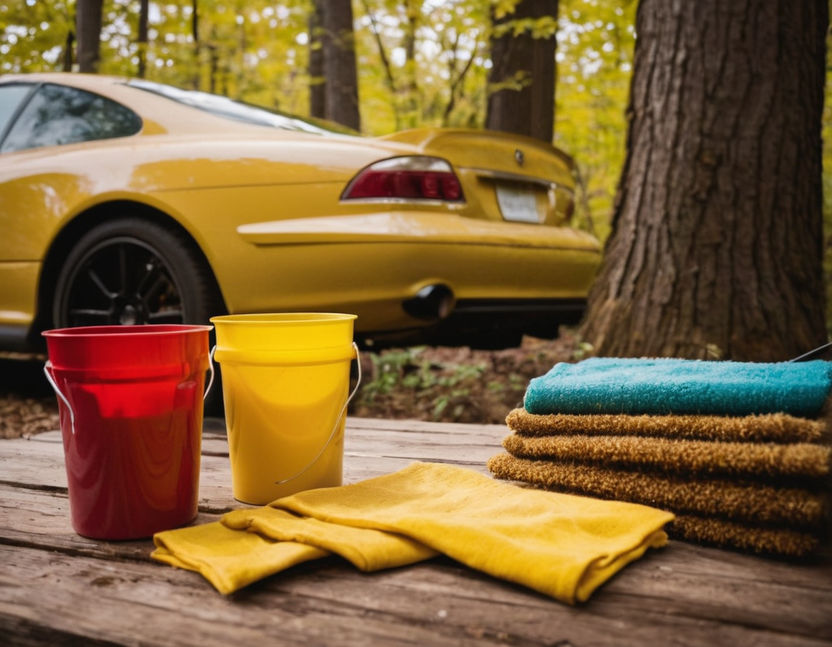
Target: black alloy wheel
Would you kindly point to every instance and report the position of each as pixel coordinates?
(133, 271)
(121, 281)
(130, 271)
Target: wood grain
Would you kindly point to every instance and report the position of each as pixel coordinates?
(58, 587)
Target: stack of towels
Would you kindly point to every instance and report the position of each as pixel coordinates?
(734, 449)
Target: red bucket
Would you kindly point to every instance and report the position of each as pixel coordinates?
(130, 400)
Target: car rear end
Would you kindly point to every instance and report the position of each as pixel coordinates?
(530, 271)
(445, 236)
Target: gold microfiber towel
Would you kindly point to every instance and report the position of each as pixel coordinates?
(562, 545)
(772, 427)
(738, 500)
(799, 460)
(745, 537)
(229, 559)
(367, 549)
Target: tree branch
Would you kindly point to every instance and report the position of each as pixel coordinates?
(388, 70)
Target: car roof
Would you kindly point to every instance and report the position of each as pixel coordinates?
(159, 114)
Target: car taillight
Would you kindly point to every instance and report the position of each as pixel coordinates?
(407, 178)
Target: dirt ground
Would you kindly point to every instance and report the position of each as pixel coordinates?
(456, 384)
(423, 383)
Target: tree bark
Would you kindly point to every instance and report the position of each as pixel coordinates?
(144, 10)
(67, 55)
(339, 62)
(197, 45)
(716, 245)
(522, 76)
(88, 34)
(317, 80)
(411, 110)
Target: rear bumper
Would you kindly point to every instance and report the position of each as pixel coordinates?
(524, 313)
(492, 323)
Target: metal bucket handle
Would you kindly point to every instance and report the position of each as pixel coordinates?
(47, 368)
(334, 427)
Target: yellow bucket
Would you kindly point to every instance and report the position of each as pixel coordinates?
(285, 384)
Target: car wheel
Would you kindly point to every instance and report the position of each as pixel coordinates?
(132, 271)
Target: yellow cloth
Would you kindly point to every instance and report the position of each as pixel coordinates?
(227, 558)
(562, 545)
(367, 549)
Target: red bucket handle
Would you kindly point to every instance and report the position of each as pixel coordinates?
(47, 370)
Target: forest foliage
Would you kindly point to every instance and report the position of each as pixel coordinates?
(258, 51)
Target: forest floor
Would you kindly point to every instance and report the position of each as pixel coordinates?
(423, 383)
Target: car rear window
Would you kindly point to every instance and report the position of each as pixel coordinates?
(236, 110)
(58, 114)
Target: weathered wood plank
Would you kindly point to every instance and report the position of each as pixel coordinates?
(682, 580)
(329, 602)
(58, 586)
(38, 518)
(422, 425)
(39, 460)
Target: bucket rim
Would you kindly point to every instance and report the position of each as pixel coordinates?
(284, 318)
(142, 330)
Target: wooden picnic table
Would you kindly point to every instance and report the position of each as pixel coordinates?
(57, 587)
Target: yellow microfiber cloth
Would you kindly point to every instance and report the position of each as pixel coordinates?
(562, 545)
(227, 558)
(367, 549)
(276, 540)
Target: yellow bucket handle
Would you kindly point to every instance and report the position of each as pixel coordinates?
(335, 426)
(357, 359)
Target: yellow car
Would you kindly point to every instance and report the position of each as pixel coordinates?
(126, 201)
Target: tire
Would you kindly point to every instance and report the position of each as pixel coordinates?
(133, 271)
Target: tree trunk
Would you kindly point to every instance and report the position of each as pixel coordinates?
(142, 37)
(717, 232)
(411, 109)
(197, 45)
(317, 85)
(214, 64)
(67, 56)
(88, 34)
(522, 76)
(339, 62)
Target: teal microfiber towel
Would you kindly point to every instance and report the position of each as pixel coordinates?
(663, 386)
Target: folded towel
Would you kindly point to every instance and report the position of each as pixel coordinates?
(662, 386)
(771, 460)
(770, 427)
(745, 537)
(227, 558)
(738, 500)
(561, 545)
(367, 549)
(680, 498)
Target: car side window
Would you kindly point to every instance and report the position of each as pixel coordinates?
(58, 115)
(10, 98)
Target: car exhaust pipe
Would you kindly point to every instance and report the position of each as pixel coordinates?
(432, 302)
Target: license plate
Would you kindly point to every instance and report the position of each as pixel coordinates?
(517, 204)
